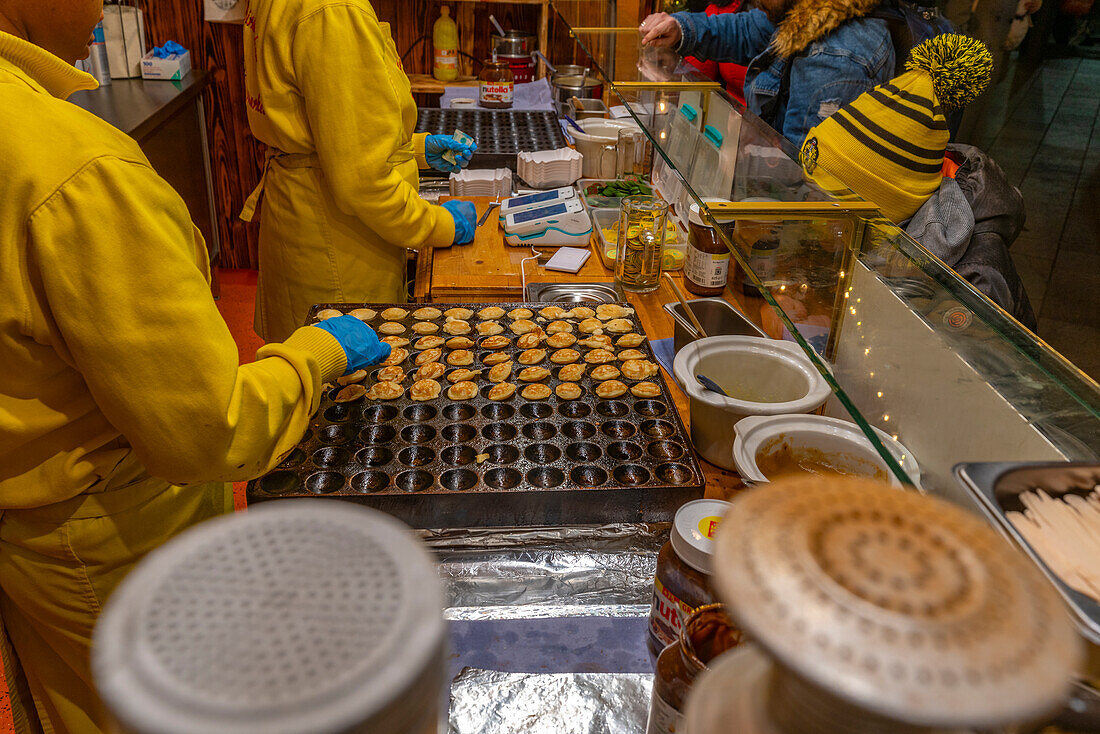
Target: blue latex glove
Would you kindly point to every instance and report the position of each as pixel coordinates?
(168, 49)
(436, 145)
(465, 216)
(360, 343)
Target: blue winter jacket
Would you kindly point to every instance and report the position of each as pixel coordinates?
(828, 73)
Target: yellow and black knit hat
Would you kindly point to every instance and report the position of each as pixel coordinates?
(887, 145)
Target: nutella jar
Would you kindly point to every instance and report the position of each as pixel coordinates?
(497, 85)
(682, 581)
(707, 263)
(706, 634)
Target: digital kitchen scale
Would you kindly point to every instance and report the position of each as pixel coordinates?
(534, 201)
(562, 223)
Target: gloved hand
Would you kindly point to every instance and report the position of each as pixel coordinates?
(360, 343)
(436, 145)
(465, 216)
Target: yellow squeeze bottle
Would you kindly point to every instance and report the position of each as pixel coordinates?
(445, 41)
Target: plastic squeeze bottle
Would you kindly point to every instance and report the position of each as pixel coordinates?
(445, 41)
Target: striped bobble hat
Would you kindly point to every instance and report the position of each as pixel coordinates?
(887, 145)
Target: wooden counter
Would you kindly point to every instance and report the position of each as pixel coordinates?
(488, 270)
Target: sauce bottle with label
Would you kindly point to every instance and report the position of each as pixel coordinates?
(497, 85)
(445, 43)
(707, 264)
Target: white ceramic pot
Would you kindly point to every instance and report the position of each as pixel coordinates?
(837, 438)
(752, 366)
(598, 143)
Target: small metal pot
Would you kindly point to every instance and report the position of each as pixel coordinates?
(513, 43)
(577, 85)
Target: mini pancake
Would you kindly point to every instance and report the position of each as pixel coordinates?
(430, 371)
(488, 328)
(460, 358)
(605, 372)
(328, 313)
(500, 372)
(349, 393)
(462, 375)
(395, 341)
(523, 326)
(597, 341)
(610, 389)
(385, 391)
(357, 376)
(494, 358)
(426, 313)
(394, 314)
(626, 354)
(531, 356)
(553, 312)
(363, 314)
(558, 341)
(425, 390)
(391, 327)
(646, 390)
(425, 327)
(639, 369)
(391, 374)
(491, 312)
(599, 356)
(565, 356)
(397, 356)
(618, 326)
(608, 311)
(462, 314)
(428, 342)
(568, 391)
(495, 342)
(464, 390)
(633, 339)
(589, 326)
(536, 392)
(531, 339)
(572, 372)
(457, 327)
(520, 313)
(559, 327)
(503, 391)
(533, 374)
(460, 342)
(428, 355)
(581, 312)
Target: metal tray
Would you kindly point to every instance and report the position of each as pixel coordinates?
(716, 316)
(500, 134)
(996, 486)
(550, 462)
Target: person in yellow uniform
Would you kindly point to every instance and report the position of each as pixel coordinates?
(326, 93)
(123, 410)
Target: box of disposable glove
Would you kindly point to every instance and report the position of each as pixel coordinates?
(172, 67)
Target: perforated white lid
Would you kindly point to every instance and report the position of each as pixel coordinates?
(899, 603)
(294, 617)
(693, 530)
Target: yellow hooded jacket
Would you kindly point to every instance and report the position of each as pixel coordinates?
(326, 93)
(114, 361)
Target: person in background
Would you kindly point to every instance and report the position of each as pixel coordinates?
(806, 58)
(890, 146)
(732, 76)
(123, 411)
(327, 95)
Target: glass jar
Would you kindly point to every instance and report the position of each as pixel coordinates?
(496, 87)
(706, 634)
(641, 239)
(707, 261)
(682, 581)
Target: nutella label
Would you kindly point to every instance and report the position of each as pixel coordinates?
(706, 270)
(497, 92)
(664, 614)
(663, 718)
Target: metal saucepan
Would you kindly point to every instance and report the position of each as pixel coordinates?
(514, 43)
(567, 86)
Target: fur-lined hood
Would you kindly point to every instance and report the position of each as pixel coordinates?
(809, 20)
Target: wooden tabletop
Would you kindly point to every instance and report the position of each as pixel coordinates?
(488, 270)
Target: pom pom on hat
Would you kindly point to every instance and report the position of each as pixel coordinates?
(960, 67)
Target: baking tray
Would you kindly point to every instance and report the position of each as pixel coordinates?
(500, 134)
(550, 462)
(997, 486)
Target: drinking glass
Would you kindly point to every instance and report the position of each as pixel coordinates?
(641, 239)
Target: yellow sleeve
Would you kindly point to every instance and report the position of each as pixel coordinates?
(124, 275)
(419, 140)
(353, 108)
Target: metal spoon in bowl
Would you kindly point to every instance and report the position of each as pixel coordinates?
(711, 385)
